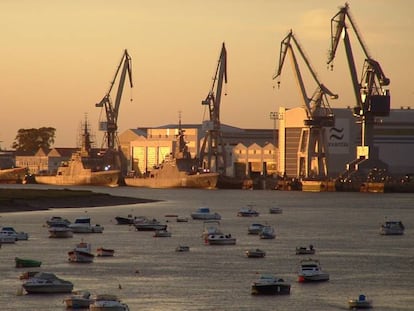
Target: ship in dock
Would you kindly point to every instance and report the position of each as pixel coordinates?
(178, 170)
(83, 168)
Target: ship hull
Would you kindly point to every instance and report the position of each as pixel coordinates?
(200, 181)
(12, 175)
(104, 178)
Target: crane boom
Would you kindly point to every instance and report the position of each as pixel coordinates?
(112, 109)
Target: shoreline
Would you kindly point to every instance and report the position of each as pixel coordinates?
(24, 200)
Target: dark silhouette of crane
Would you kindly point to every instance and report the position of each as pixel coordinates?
(372, 98)
(113, 153)
(312, 152)
(212, 151)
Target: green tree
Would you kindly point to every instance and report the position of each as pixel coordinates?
(30, 140)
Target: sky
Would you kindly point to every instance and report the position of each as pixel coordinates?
(57, 59)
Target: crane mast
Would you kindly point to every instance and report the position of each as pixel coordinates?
(112, 109)
(212, 152)
(312, 152)
(372, 98)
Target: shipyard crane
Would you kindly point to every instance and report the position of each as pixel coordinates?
(212, 152)
(312, 151)
(112, 108)
(372, 98)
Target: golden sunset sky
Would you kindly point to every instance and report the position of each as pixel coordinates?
(58, 58)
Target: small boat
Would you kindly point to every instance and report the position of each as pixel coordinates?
(57, 220)
(247, 212)
(392, 227)
(182, 248)
(362, 302)
(204, 213)
(129, 220)
(221, 239)
(7, 239)
(107, 303)
(255, 253)
(83, 225)
(47, 283)
(311, 271)
(78, 300)
(13, 233)
(270, 285)
(149, 225)
(81, 253)
(255, 228)
(268, 232)
(182, 219)
(60, 231)
(26, 263)
(105, 252)
(211, 227)
(163, 233)
(275, 210)
(302, 250)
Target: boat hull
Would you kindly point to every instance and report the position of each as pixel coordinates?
(12, 175)
(103, 252)
(48, 289)
(80, 256)
(178, 180)
(320, 277)
(270, 289)
(103, 178)
(60, 234)
(27, 263)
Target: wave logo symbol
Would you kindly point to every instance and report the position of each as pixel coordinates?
(335, 133)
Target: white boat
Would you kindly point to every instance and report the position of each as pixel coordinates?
(47, 283)
(392, 227)
(221, 239)
(303, 250)
(247, 212)
(268, 232)
(78, 300)
(54, 220)
(310, 271)
(7, 239)
(149, 225)
(255, 228)
(81, 253)
(362, 302)
(163, 233)
(268, 284)
(105, 252)
(60, 231)
(275, 210)
(182, 219)
(108, 303)
(255, 253)
(13, 233)
(83, 225)
(211, 227)
(204, 213)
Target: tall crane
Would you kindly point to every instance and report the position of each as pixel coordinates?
(312, 152)
(112, 109)
(212, 152)
(372, 98)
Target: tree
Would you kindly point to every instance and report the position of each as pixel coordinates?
(30, 140)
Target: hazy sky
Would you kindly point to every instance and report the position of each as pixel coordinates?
(57, 58)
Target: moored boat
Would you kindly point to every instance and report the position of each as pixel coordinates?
(163, 233)
(182, 248)
(392, 227)
(105, 252)
(57, 220)
(211, 227)
(221, 239)
(247, 212)
(267, 232)
(302, 250)
(60, 231)
(204, 213)
(47, 283)
(81, 253)
(149, 225)
(108, 303)
(255, 253)
(310, 270)
(26, 263)
(362, 302)
(10, 231)
(13, 175)
(268, 284)
(78, 300)
(83, 225)
(275, 210)
(255, 228)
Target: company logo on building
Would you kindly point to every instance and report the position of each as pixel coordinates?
(338, 137)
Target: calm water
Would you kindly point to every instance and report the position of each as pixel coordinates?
(343, 227)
